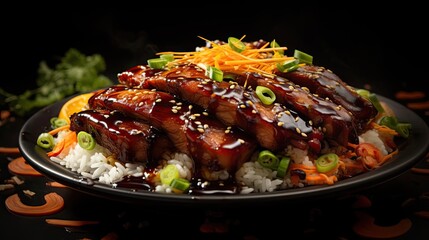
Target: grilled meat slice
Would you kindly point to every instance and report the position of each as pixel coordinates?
(211, 144)
(273, 126)
(326, 84)
(336, 122)
(128, 139)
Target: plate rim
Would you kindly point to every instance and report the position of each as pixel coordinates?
(388, 171)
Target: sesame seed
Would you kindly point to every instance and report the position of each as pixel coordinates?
(291, 87)
(242, 106)
(198, 122)
(206, 126)
(158, 100)
(201, 130)
(200, 86)
(241, 140)
(303, 134)
(305, 89)
(250, 103)
(229, 127)
(197, 114)
(140, 104)
(153, 90)
(287, 112)
(254, 111)
(227, 131)
(179, 104)
(174, 110)
(296, 119)
(134, 98)
(310, 122)
(205, 113)
(298, 130)
(172, 101)
(280, 124)
(232, 86)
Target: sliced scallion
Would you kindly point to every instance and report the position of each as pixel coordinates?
(57, 122)
(236, 44)
(266, 95)
(45, 140)
(402, 129)
(157, 63)
(274, 44)
(374, 100)
(327, 162)
(215, 73)
(168, 57)
(85, 140)
(303, 57)
(267, 159)
(168, 174)
(180, 184)
(288, 66)
(283, 166)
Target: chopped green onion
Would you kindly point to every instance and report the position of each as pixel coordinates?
(215, 73)
(236, 44)
(274, 44)
(283, 166)
(85, 140)
(45, 140)
(303, 57)
(180, 184)
(58, 122)
(373, 98)
(265, 95)
(168, 174)
(327, 162)
(268, 160)
(167, 57)
(363, 92)
(403, 129)
(392, 122)
(157, 63)
(288, 66)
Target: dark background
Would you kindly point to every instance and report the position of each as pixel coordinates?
(383, 48)
(363, 44)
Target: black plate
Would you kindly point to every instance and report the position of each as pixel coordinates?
(411, 151)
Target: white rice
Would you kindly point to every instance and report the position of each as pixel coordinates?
(96, 165)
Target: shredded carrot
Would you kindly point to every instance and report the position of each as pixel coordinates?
(384, 129)
(57, 130)
(388, 156)
(64, 144)
(320, 178)
(226, 59)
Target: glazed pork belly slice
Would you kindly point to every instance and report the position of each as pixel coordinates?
(273, 126)
(129, 140)
(212, 145)
(335, 122)
(326, 84)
